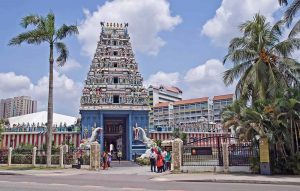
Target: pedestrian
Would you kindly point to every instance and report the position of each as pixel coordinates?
(168, 160)
(104, 159)
(152, 157)
(119, 155)
(109, 159)
(159, 162)
(164, 154)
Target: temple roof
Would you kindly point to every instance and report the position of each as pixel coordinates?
(41, 117)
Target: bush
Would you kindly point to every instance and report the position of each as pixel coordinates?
(21, 159)
(255, 165)
(293, 163)
(143, 161)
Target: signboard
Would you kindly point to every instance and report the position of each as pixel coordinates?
(201, 151)
(264, 150)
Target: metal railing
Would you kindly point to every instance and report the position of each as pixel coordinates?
(42, 129)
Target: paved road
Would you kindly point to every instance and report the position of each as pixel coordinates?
(111, 182)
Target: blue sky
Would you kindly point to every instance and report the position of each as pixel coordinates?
(180, 43)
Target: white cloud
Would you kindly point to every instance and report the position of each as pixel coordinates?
(206, 80)
(71, 64)
(224, 25)
(146, 19)
(159, 78)
(66, 91)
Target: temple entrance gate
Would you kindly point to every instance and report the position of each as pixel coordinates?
(115, 135)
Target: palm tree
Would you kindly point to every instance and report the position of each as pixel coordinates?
(261, 61)
(1, 129)
(289, 108)
(46, 31)
(291, 11)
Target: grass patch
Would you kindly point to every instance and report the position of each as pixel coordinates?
(28, 167)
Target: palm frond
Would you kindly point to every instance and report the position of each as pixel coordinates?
(291, 12)
(282, 2)
(287, 47)
(233, 73)
(31, 37)
(295, 30)
(50, 25)
(30, 20)
(61, 48)
(66, 30)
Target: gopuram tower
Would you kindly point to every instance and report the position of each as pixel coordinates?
(113, 96)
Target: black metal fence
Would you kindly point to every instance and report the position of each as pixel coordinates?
(210, 152)
(240, 154)
(208, 155)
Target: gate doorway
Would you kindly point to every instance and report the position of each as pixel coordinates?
(114, 136)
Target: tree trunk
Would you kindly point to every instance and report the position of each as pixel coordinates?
(50, 108)
(292, 137)
(296, 136)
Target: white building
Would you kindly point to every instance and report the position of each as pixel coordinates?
(17, 106)
(161, 94)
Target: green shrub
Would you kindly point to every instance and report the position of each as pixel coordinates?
(21, 159)
(293, 163)
(143, 161)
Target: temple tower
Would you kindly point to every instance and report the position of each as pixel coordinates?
(113, 96)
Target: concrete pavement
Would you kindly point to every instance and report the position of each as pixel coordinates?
(164, 177)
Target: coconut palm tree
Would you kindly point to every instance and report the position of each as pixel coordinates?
(45, 31)
(261, 61)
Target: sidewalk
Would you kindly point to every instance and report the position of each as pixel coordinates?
(231, 178)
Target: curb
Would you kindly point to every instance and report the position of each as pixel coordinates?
(9, 173)
(241, 181)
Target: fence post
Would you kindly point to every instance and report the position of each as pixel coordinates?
(95, 156)
(34, 156)
(177, 146)
(225, 157)
(61, 156)
(9, 156)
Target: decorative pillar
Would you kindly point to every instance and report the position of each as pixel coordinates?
(225, 153)
(34, 156)
(130, 137)
(95, 156)
(61, 156)
(177, 146)
(9, 156)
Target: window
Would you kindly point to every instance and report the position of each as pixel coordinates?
(116, 80)
(115, 53)
(116, 99)
(115, 65)
(115, 43)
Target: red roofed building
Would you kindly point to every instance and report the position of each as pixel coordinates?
(219, 102)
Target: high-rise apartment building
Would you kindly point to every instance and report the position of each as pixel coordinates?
(161, 94)
(219, 102)
(185, 112)
(17, 106)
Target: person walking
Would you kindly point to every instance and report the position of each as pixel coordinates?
(104, 159)
(168, 159)
(159, 162)
(119, 155)
(164, 154)
(152, 160)
(109, 159)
